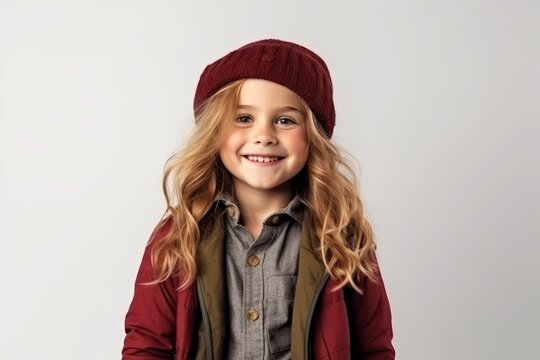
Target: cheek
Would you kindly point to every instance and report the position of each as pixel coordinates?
(229, 150)
(231, 145)
(299, 146)
(305, 153)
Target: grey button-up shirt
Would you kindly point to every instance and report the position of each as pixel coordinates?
(261, 279)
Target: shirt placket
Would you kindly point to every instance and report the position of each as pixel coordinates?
(254, 295)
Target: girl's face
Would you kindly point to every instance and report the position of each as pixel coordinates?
(266, 144)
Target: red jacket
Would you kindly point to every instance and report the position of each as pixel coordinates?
(163, 323)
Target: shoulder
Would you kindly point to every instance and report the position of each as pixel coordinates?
(148, 269)
(161, 230)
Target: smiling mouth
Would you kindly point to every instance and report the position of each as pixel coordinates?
(262, 159)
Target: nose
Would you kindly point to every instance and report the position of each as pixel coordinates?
(264, 134)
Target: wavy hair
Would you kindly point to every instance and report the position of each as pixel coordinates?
(327, 184)
(192, 177)
(346, 240)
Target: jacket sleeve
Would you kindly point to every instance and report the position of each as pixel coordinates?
(370, 322)
(150, 322)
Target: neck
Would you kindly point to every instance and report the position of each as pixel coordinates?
(257, 204)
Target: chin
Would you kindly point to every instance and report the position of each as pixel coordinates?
(271, 186)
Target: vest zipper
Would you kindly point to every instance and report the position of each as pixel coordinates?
(322, 283)
(206, 323)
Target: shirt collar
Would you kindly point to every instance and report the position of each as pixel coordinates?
(294, 209)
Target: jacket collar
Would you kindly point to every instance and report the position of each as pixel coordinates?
(311, 278)
(210, 284)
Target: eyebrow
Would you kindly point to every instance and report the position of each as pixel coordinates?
(281, 109)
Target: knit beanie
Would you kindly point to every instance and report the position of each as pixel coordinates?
(283, 62)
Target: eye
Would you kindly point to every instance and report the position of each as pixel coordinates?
(244, 119)
(285, 121)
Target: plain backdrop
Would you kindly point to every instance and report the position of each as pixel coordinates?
(437, 100)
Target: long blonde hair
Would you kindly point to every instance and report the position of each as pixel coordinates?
(195, 174)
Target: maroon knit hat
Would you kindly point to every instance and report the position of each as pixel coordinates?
(282, 62)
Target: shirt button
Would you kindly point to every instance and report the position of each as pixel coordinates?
(253, 260)
(252, 314)
(230, 211)
(275, 220)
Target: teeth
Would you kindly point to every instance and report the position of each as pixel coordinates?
(262, 158)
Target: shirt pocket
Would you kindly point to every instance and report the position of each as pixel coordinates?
(280, 303)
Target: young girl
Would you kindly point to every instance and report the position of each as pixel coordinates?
(263, 251)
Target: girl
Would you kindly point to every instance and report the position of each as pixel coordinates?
(263, 251)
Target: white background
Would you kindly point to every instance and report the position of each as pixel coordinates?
(438, 101)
